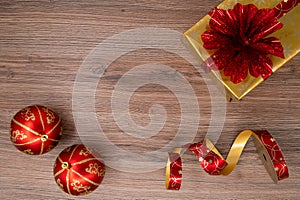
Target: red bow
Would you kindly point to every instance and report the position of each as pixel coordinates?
(239, 37)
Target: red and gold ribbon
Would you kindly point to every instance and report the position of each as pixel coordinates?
(214, 164)
(285, 7)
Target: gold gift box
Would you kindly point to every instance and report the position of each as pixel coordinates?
(289, 36)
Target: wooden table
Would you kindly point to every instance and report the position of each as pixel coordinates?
(42, 46)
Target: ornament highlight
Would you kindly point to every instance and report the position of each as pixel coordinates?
(35, 130)
(78, 170)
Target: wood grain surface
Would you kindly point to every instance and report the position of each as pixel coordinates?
(43, 44)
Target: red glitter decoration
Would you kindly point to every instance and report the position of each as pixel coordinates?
(239, 37)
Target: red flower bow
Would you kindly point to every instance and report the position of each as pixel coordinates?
(239, 37)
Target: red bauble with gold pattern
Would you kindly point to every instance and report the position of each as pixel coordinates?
(78, 170)
(35, 130)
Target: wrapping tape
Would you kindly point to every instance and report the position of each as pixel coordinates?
(213, 163)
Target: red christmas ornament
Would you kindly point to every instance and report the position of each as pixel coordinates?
(238, 37)
(35, 130)
(78, 170)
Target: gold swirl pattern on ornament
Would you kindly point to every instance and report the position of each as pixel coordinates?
(58, 181)
(27, 128)
(28, 151)
(85, 152)
(68, 149)
(27, 114)
(79, 187)
(95, 169)
(17, 134)
(50, 115)
(88, 180)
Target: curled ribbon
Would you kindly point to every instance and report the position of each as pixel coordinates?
(214, 164)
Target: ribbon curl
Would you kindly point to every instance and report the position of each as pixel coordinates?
(214, 164)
